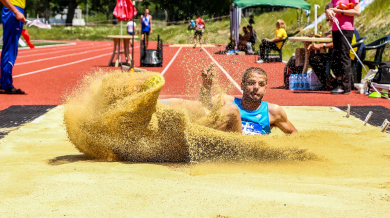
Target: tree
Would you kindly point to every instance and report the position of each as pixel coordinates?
(71, 7)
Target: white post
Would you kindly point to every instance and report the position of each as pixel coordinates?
(315, 17)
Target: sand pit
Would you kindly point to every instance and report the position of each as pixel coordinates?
(42, 174)
(192, 45)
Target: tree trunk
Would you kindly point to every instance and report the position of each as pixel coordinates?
(47, 10)
(71, 7)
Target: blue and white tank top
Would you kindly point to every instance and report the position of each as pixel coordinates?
(145, 23)
(254, 122)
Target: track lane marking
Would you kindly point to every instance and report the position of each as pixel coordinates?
(45, 59)
(27, 50)
(63, 65)
(224, 71)
(58, 51)
(174, 57)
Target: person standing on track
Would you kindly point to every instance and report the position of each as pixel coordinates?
(131, 28)
(199, 28)
(13, 19)
(341, 62)
(147, 27)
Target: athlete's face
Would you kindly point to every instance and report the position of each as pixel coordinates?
(254, 87)
(146, 11)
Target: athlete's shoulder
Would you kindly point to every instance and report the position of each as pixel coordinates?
(275, 110)
(228, 99)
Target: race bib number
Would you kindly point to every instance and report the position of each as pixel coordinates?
(249, 128)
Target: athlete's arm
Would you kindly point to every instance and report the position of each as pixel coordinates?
(19, 16)
(278, 118)
(207, 82)
(205, 96)
(140, 24)
(151, 26)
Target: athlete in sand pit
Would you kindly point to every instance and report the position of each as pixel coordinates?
(248, 115)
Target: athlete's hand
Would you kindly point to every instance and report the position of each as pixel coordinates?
(151, 31)
(20, 17)
(208, 76)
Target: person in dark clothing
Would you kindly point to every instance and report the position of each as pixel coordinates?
(341, 63)
(319, 61)
(251, 21)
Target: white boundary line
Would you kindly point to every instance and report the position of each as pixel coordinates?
(336, 109)
(45, 59)
(39, 52)
(174, 57)
(224, 71)
(63, 65)
(46, 46)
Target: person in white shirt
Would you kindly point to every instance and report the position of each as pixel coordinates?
(131, 27)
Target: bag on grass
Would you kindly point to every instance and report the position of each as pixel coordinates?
(383, 75)
(249, 49)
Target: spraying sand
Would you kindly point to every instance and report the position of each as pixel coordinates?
(116, 116)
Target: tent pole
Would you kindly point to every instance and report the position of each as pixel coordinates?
(132, 43)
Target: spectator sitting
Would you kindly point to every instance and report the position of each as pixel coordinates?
(271, 44)
(244, 29)
(252, 40)
(242, 43)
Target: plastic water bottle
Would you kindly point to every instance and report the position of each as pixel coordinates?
(309, 81)
(299, 81)
(295, 80)
(291, 82)
(307, 86)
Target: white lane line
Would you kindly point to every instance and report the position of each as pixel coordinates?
(39, 119)
(224, 71)
(57, 51)
(46, 46)
(45, 59)
(63, 65)
(174, 57)
(335, 108)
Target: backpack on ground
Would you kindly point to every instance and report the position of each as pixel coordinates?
(383, 74)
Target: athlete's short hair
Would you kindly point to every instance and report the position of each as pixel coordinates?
(254, 70)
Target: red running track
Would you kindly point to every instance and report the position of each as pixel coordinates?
(47, 74)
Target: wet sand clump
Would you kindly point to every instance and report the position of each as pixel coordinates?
(113, 116)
